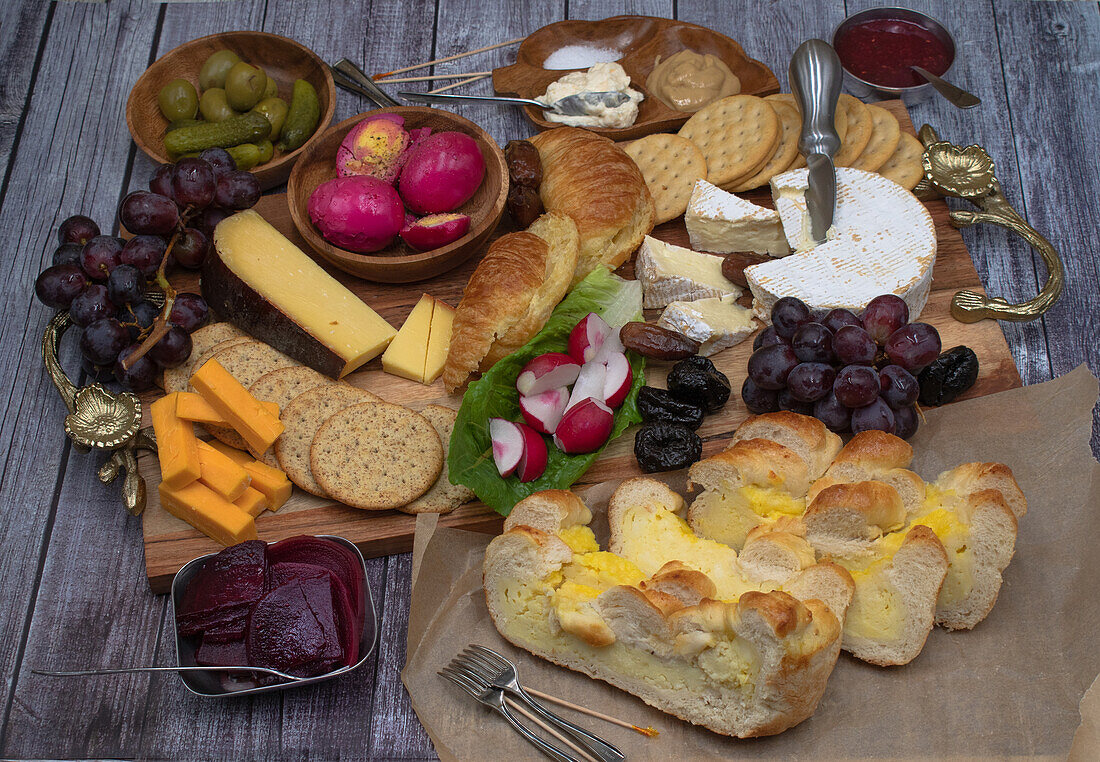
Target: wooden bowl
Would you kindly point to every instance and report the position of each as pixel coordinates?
(282, 58)
(641, 39)
(399, 263)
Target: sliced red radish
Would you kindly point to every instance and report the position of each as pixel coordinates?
(587, 337)
(543, 411)
(611, 345)
(618, 380)
(533, 461)
(507, 440)
(584, 428)
(590, 383)
(552, 370)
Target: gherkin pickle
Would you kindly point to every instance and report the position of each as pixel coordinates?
(666, 447)
(246, 155)
(178, 100)
(302, 118)
(267, 150)
(245, 128)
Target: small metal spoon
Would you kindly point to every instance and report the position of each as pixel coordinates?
(953, 93)
(572, 105)
(128, 670)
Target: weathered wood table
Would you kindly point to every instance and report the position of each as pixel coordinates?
(72, 580)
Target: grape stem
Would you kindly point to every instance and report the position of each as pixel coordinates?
(160, 325)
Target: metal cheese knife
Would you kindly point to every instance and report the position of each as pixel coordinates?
(815, 76)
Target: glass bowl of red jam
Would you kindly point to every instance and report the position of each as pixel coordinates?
(877, 46)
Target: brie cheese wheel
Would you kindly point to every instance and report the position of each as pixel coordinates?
(716, 323)
(882, 241)
(721, 222)
(671, 273)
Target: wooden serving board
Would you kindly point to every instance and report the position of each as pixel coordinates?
(170, 543)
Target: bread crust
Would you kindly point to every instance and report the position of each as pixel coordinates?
(807, 436)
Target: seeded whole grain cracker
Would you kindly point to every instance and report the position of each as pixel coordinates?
(904, 165)
(443, 497)
(301, 418)
(885, 135)
(281, 386)
(790, 125)
(670, 165)
(178, 379)
(376, 456)
(737, 135)
(858, 133)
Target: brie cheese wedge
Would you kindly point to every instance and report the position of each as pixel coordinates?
(716, 323)
(721, 222)
(882, 241)
(672, 273)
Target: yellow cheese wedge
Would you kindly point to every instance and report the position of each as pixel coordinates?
(252, 502)
(208, 512)
(439, 341)
(192, 407)
(244, 412)
(177, 447)
(406, 353)
(265, 284)
(221, 474)
(272, 482)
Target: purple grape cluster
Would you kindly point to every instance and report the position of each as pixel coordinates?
(852, 374)
(102, 280)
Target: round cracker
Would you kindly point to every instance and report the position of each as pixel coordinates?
(885, 134)
(858, 132)
(790, 126)
(670, 165)
(281, 386)
(904, 165)
(376, 456)
(444, 496)
(178, 379)
(737, 135)
(301, 419)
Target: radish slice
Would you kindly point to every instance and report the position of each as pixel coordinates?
(611, 345)
(552, 370)
(533, 461)
(543, 411)
(590, 383)
(618, 380)
(584, 428)
(587, 337)
(507, 440)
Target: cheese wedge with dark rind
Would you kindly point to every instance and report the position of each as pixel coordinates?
(259, 280)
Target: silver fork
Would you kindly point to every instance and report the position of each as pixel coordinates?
(500, 673)
(494, 699)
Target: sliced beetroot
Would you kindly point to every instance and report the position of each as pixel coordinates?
(348, 622)
(232, 578)
(221, 654)
(200, 622)
(332, 556)
(232, 629)
(295, 627)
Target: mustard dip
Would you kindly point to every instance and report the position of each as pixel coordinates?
(687, 81)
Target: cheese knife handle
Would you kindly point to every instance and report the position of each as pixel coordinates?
(815, 78)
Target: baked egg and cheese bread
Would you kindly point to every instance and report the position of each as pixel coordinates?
(920, 554)
(748, 664)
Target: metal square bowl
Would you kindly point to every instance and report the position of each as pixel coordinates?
(217, 684)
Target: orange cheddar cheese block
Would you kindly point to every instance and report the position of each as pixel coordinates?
(240, 409)
(192, 407)
(177, 447)
(252, 502)
(221, 474)
(209, 512)
(271, 482)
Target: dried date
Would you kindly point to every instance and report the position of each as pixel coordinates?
(524, 163)
(524, 205)
(657, 343)
(733, 266)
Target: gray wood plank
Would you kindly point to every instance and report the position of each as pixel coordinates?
(21, 35)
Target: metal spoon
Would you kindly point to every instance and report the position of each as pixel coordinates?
(128, 670)
(953, 93)
(350, 77)
(572, 105)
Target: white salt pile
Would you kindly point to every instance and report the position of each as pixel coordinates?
(580, 57)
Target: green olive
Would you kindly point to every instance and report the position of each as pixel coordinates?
(244, 86)
(178, 100)
(267, 150)
(275, 110)
(272, 88)
(215, 106)
(216, 67)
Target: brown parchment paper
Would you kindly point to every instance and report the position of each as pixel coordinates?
(1010, 688)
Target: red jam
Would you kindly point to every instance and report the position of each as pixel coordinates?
(880, 51)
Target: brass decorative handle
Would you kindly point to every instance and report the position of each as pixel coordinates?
(968, 173)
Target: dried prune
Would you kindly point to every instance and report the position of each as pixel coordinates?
(524, 163)
(659, 406)
(657, 343)
(666, 447)
(948, 376)
(696, 379)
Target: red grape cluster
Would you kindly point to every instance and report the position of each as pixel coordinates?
(103, 280)
(852, 374)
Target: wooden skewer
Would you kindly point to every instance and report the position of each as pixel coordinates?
(449, 58)
(458, 84)
(546, 728)
(648, 732)
(434, 76)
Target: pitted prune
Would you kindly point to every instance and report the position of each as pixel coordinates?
(666, 447)
(948, 376)
(696, 379)
(659, 406)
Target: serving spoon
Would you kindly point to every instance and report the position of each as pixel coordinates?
(128, 670)
(571, 105)
(953, 93)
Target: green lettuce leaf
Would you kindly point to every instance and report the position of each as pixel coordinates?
(494, 395)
